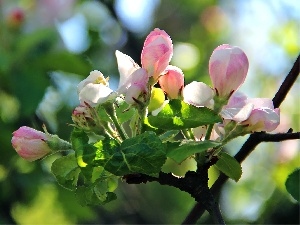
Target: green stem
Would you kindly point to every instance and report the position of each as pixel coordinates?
(191, 134)
(186, 134)
(208, 132)
(119, 128)
(111, 112)
(112, 133)
(143, 115)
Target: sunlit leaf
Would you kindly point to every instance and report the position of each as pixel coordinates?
(178, 115)
(229, 166)
(84, 152)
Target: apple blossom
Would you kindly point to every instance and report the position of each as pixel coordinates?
(94, 89)
(155, 57)
(126, 67)
(157, 52)
(30, 144)
(197, 94)
(135, 86)
(133, 78)
(263, 119)
(172, 82)
(257, 113)
(228, 66)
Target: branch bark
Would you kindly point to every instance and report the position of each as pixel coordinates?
(194, 183)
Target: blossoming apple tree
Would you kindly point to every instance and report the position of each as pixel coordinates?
(153, 115)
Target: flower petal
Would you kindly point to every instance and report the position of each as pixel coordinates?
(94, 94)
(126, 66)
(197, 93)
(263, 119)
(29, 133)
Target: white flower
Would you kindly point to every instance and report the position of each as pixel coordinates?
(95, 89)
(133, 78)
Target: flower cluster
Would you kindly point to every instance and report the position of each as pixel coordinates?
(155, 98)
(151, 116)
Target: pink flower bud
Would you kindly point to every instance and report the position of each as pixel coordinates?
(82, 117)
(228, 66)
(156, 53)
(172, 82)
(30, 144)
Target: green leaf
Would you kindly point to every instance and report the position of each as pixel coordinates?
(101, 189)
(179, 115)
(292, 184)
(35, 44)
(124, 111)
(229, 166)
(168, 135)
(85, 153)
(144, 153)
(179, 151)
(23, 79)
(66, 171)
(94, 195)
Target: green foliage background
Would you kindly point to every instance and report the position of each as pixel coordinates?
(38, 78)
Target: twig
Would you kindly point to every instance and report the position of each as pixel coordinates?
(253, 141)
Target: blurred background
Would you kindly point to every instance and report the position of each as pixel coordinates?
(48, 46)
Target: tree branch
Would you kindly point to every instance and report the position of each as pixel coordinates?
(253, 141)
(287, 83)
(194, 183)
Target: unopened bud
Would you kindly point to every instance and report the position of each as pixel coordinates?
(228, 67)
(32, 144)
(172, 82)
